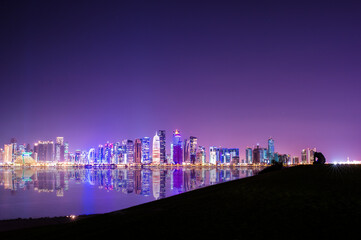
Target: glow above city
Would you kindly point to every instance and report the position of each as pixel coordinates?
(232, 74)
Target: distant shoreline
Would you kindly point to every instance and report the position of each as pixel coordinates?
(140, 165)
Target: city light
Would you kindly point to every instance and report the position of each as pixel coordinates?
(139, 152)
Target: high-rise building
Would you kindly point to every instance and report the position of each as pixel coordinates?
(14, 145)
(161, 134)
(201, 155)
(91, 156)
(234, 155)
(307, 155)
(193, 148)
(311, 156)
(257, 155)
(45, 151)
(107, 153)
(137, 151)
(66, 151)
(8, 153)
(295, 160)
(249, 155)
(186, 151)
(59, 149)
(156, 149)
(212, 155)
(130, 151)
(77, 157)
(177, 148)
(270, 149)
(145, 150)
(100, 156)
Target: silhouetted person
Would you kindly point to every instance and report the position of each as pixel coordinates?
(320, 158)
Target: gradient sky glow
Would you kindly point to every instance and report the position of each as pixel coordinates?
(232, 73)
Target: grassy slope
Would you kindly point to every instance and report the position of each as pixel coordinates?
(294, 203)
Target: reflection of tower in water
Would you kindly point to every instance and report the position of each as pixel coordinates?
(156, 183)
(162, 182)
(146, 178)
(137, 182)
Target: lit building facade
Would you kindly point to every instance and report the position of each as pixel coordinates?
(249, 155)
(177, 148)
(45, 151)
(270, 149)
(145, 150)
(137, 151)
(186, 151)
(162, 142)
(193, 149)
(129, 151)
(59, 149)
(213, 155)
(156, 149)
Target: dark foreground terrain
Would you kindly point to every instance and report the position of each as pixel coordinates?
(298, 202)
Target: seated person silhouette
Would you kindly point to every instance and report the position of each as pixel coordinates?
(319, 158)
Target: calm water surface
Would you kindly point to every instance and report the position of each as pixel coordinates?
(50, 192)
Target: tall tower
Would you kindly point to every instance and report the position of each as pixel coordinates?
(249, 158)
(213, 155)
(257, 155)
(130, 151)
(193, 148)
(161, 134)
(156, 149)
(271, 149)
(137, 151)
(59, 149)
(14, 146)
(186, 151)
(145, 150)
(177, 147)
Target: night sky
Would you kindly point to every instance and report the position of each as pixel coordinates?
(232, 73)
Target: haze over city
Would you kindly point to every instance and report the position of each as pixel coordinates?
(232, 74)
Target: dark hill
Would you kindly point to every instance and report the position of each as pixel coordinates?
(298, 202)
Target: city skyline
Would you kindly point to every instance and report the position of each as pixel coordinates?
(230, 73)
(129, 152)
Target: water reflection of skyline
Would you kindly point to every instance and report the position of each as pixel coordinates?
(146, 181)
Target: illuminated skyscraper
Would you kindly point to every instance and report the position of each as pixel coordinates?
(145, 150)
(156, 149)
(100, 156)
(270, 149)
(212, 155)
(77, 158)
(137, 151)
(45, 151)
(129, 151)
(234, 154)
(91, 156)
(161, 134)
(59, 149)
(8, 153)
(14, 145)
(249, 158)
(201, 155)
(295, 160)
(177, 148)
(186, 151)
(307, 155)
(193, 149)
(257, 155)
(66, 151)
(107, 153)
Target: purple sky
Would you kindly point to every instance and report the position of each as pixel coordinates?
(232, 73)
